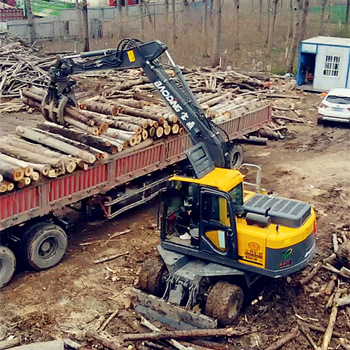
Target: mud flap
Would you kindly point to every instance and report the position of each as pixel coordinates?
(171, 315)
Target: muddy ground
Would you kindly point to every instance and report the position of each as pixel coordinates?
(312, 164)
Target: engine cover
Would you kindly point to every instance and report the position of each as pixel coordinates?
(282, 211)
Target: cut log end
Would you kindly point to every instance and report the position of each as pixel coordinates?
(35, 176)
(175, 129)
(167, 130)
(9, 185)
(144, 134)
(159, 132)
(3, 187)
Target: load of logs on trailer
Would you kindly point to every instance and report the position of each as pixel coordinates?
(125, 112)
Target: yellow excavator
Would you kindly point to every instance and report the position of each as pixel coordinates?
(217, 237)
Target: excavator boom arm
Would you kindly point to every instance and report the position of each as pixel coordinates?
(175, 90)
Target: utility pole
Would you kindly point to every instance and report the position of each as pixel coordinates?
(30, 19)
(86, 46)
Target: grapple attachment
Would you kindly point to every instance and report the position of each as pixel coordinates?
(59, 94)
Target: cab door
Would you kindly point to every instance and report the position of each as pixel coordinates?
(217, 225)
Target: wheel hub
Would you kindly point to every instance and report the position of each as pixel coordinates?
(48, 248)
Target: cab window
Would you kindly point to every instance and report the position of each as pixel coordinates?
(215, 208)
(236, 195)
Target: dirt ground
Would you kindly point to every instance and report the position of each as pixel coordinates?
(312, 164)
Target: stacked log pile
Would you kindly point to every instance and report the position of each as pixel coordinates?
(127, 111)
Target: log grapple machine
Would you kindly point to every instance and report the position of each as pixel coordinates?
(217, 237)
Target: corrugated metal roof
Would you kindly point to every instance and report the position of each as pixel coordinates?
(328, 40)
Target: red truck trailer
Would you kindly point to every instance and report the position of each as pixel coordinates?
(29, 227)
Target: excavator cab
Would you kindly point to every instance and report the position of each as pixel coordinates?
(215, 218)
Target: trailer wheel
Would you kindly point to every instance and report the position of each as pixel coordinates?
(224, 302)
(152, 278)
(235, 157)
(44, 245)
(7, 265)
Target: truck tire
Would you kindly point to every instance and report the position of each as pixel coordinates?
(152, 278)
(44, 245)
(7, 265)
(235, 157)
(224, 302)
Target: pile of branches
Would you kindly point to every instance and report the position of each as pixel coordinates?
(20, 65)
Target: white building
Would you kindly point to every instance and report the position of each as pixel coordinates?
(324, 63)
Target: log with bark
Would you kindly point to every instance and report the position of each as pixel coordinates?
(29, 156)
(193, 333)
(47, 154)
(54, 143)
(10, 171)
(92, 141)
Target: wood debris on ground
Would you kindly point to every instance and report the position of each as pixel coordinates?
(20, 65)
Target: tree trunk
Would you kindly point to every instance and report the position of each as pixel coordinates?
(30, 18)
(323, 10)
(260, 15)
(290, 27)
(142, 24)
(268, 21)
(303, 19)
(296, 38)
(85, 26)
(205, 28)
(217, 33)
(347, 11)
(173, 20)
(272, 26)
(80, 24)
(236, 45)
(166, 10)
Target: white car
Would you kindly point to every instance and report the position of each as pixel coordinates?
(335, 106)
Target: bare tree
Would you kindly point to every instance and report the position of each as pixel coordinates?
(84, 11)
(217, 33)
(290, 26)
(272, 26)
(30, 18)
(166, 3)
(347, 11)
(303, 19)
(141, 17)
(236, 34)
(296, 37)
(323, 10)
(268, 21)
(205, 28)
(260, 15)
(174, 21)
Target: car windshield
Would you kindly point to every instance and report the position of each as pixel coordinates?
(338, 99)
